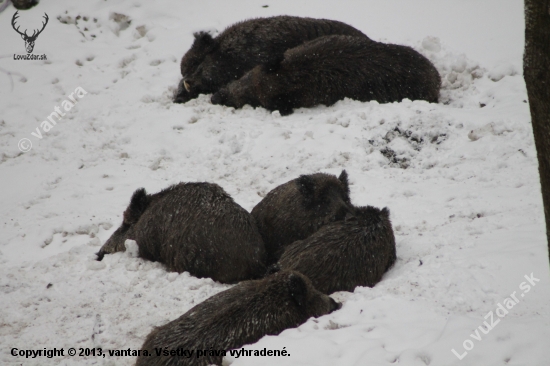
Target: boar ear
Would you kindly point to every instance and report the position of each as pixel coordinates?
(306, 186)
(344, 179)
(385, 212)
(298, 289)
(138, 204)
(204, 41)
(274, 64)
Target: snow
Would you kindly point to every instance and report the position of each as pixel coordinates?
(460, 178)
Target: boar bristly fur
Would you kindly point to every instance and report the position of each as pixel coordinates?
(194, 227)
(295, 210)
(331, 68)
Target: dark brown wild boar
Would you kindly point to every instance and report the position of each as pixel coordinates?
(295, 210)
(213, 62)
(331, 68)
(194, 227)
(236, 317)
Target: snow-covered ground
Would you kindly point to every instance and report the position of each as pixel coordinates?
(460, 178)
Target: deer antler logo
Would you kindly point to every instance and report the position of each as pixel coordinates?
(29, 40)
